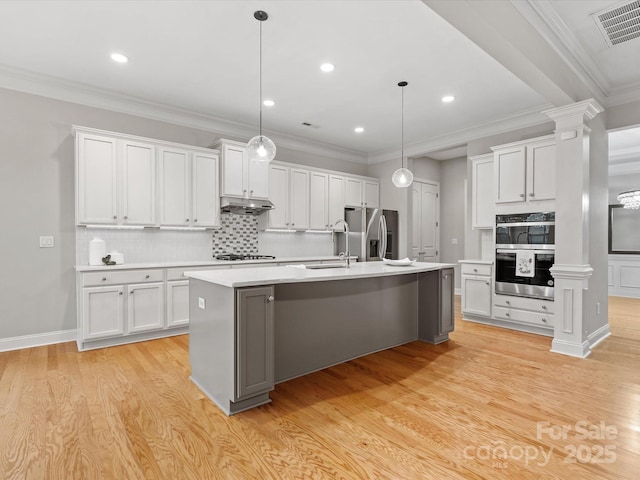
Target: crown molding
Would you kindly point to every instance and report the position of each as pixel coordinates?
(75, 92)
(528, 118)
(624, 168)
(587, 108)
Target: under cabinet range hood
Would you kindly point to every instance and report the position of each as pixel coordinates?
(244, 206)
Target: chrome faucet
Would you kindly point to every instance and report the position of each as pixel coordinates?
(347, 254)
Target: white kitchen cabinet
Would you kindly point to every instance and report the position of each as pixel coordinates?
(482, 203)
(477, 287)
(102, 312)
(115, 181)
(239, 176)
(522, 310)
(336, 198)
(188, 188)
(145, 303)
(177, 303)
(290, 187)
(425, 225)
(362, 193)
(318, 201)
(524, 172)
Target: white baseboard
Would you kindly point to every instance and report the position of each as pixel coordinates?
(37, 340)
(580, 350)
(458, 291)
(599, 335)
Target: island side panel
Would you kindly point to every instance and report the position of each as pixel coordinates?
(435, 305)
(320, 324)
(212, 341)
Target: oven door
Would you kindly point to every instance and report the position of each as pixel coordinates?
(538, 286)
(526, 235)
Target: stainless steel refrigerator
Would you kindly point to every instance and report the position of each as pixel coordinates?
(371, 231)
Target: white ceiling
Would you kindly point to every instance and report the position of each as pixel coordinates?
(198, 60)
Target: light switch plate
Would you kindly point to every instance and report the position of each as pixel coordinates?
(454, 241)
(46, 241)
(201, 303)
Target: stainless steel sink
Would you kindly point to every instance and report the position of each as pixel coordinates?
(325, 265)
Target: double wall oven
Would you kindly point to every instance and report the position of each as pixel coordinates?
(525, 253)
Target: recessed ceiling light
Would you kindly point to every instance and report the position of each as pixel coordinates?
(448, 98)
(358, 129)
(268, 103)
(120, 58)
(327, 67)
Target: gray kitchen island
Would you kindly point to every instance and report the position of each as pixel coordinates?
(255, 327)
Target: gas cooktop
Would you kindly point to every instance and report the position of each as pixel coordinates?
(243, 256)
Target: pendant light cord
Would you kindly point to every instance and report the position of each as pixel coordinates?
(260, 99)
(402, 131)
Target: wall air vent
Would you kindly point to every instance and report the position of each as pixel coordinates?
(619, 24)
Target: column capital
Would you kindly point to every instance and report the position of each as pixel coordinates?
(571, 272)
(587, 109)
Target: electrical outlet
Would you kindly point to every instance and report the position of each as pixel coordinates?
(454, 241)
(201, 303)
(46, 241)
(597, 308)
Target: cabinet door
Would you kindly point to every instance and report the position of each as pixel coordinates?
(258, 179)
(371, 194)
(96, 187)
(299, 199)
(175, 187)
(144, 307)
(138, 187)
(254, 333)
(177, 303)
(476, 295)
(279, 188)
(541, 171)
(447, 287)
(234, 163)
(353, 192)
(102, 312)
(510, 172)
(482, 193)
(318, 201)
(336, 198)
(206, 200)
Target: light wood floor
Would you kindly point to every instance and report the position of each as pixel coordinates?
(467, 409)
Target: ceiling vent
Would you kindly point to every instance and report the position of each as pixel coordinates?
(619, 24)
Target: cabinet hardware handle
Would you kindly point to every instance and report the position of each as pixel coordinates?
(126, 217)
(475, 269)
(270, 298)
(508, 302)
(104, 279)
(146, 276)
(120, 293)
(486, 283)
(522, 195)
(131, 292)
(531, 195)
(507, 314)
(544, 320)
(115, 217)
(251, 191)
(244, 191)
(187, 220)
(195, 219)
(544, 307)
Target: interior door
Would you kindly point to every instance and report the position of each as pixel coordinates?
(430, 222)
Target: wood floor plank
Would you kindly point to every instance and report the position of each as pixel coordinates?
(470, 408)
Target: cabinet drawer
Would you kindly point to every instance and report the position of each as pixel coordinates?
(121, 277)
(523, 316)
(533, 304)
(178, 273)
(476, 269)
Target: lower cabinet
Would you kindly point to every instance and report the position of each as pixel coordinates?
(102, 312)
(144, 307)
(254, 333)
(435, 305)
(177, 303)
(523, 310)
(477, 281)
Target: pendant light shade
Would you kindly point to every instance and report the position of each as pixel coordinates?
(261, 149)
(403, 177)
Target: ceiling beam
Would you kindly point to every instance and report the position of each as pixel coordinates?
(499, 29)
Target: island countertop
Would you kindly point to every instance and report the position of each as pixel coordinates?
(251, 277)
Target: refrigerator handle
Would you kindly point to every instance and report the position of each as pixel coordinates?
(382, 229)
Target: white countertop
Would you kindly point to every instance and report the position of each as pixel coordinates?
(248, 277)
(203, 263)
(477, 262)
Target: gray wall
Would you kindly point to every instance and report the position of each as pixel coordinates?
(37, 286)
(453, 176)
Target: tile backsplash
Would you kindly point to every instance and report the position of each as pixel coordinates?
(238, 234)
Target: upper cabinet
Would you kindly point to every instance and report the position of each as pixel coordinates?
(482, 191)
(290, 187)
(115, 181)
(318, 201)
(362, 193)
(126, 180)
(525, 171)
(239, 176)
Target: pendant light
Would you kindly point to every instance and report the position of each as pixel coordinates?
(630, 199)
(261, 149)
(402, 177)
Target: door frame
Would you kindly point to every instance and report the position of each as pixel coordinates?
(410, 210)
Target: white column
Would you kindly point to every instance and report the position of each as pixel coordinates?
(572, 269)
